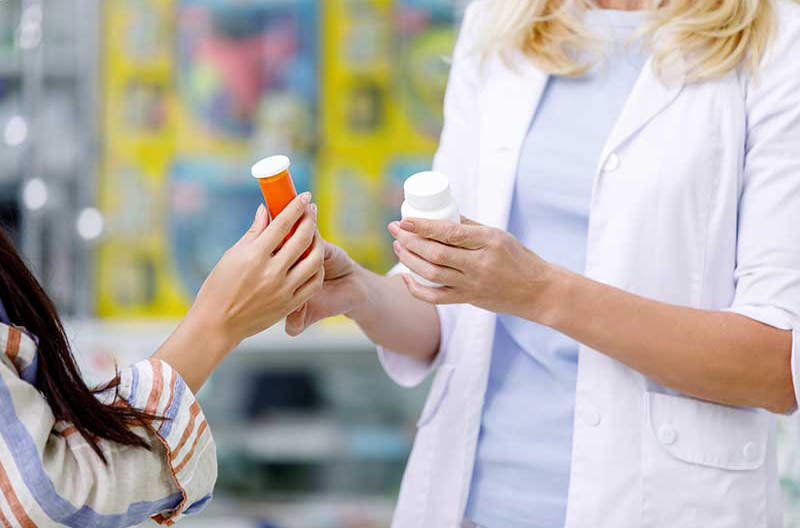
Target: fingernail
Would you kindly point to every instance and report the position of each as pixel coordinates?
(396, 247)
(305, 197)
(408, 225)
(393, 228)
(260, 212)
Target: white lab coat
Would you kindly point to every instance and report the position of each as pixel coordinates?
(696, 202)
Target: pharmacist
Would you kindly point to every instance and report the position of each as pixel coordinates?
(617, 314)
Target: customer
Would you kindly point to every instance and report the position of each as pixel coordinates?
(622, 308)
(139, 446)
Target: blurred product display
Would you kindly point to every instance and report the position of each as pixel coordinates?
(186, 117)
(127, 133)
(48, 138)
(384, 73)
(350, 90)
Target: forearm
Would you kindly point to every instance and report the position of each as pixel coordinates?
(153, 385)
(394, 319)
(195, 349)
(717, 356)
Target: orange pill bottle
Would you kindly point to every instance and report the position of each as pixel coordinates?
(277, 186)
(276, 183)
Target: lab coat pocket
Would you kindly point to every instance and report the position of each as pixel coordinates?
(703, 464)
(437, 393)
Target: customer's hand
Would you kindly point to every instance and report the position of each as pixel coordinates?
(261, 279)
(476, 264)
(341, 293)
(258, 281)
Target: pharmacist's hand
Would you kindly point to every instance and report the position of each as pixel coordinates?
(476, 264)
(258, 281)
(341, 293)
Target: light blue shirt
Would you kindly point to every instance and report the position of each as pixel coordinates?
(522, 466)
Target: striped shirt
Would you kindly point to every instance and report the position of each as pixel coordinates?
(50, 475)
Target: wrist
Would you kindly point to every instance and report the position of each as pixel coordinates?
(217, 337)
(195, 348)
(550, 296)
(360, 312)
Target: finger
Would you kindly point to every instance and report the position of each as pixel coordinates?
(294, 324)
(311, 287)
(300, 240)
(443, 295)
(307, 267)
(432, 272)
(295, 321)
(281, 226)
(259, 224)
(337, 262)
(432, 250)
(467, 221)
(336, 298)
(450, 233)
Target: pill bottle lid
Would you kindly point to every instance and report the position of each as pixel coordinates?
(271, 166)
(427, 190)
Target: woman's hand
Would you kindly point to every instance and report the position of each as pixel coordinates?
(381, 306)
(256, 283)
(261, 279)
(706, 354)
(341, 293)
(476, 264)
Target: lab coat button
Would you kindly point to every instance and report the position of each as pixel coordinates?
(612, 163)
(591, 417)
(667, 435)
(750, 452)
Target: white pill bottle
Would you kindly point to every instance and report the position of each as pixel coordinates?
(427, 195)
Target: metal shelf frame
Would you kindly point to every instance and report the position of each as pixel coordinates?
(69, 70)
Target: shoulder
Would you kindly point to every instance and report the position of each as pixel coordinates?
(474, 16)
(789, 10)
(466, 57)
(786, 40)
(476, 7)
(776, 81)
(18, 351)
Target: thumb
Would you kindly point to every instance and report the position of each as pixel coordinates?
(260, 223)
(329, 250)
(467, 221)
(296, 321)
(337, 262)
(335, 299)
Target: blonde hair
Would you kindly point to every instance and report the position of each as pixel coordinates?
(712, 37)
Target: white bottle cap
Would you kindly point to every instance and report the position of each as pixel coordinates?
(271, 166)
(427, 191)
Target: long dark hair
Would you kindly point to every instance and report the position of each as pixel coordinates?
(58, 377)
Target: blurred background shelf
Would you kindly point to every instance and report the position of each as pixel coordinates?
(132, 336)
(301, 512)
(10, 63)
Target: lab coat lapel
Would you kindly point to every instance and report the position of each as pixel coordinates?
(512, 93)
(507, 103)
(649, 97)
